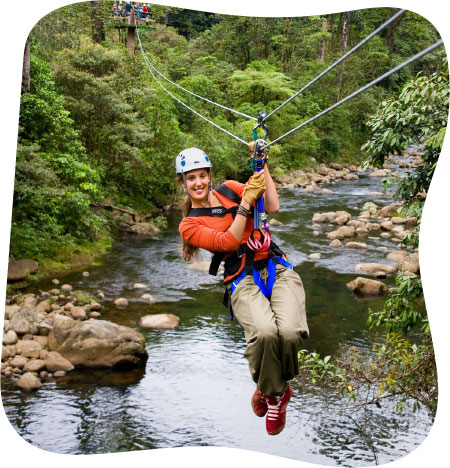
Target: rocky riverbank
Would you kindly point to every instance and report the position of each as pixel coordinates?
(50, 334)
(311, 178)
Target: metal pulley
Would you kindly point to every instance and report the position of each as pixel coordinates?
(260, 152)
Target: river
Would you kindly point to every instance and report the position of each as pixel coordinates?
(196, 388)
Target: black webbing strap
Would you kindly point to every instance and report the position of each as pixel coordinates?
(229, 193)
(215, 262)
(214, 211)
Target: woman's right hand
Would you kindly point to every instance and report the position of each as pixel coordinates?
(254, 188)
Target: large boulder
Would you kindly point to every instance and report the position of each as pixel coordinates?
(10, 309)
(29, 382)
(388, 211)
(54, 362)
(396, 255)
(387, 225)
(43, 307)
(97, 344)
(24, 321)
(367, 287)
(341, 217)
(10, 338)
(28, 348)
(357, 245)
(19, 269)
(166, 321)
(347, 231)
(374, 267)
(143, 229)
(409, 263)
(34, 365)
(380, 173)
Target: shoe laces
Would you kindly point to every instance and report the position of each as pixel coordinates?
(273, 410)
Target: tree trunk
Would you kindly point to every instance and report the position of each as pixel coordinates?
(26, 67)
(321, 51)
(389, 40)
(131, 31)
(344, 42)
(98, 27)
(255, 38)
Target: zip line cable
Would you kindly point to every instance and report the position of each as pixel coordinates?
(184, 104)
(320, 114)
(350, 52)
(190, 92)
(364, 88)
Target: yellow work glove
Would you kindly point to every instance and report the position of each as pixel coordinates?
(254, 188)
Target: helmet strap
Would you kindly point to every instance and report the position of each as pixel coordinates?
(184, 184)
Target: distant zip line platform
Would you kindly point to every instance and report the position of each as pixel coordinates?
(131, 26)
(116, 22)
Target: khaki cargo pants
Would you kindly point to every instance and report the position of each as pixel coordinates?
(273, 330)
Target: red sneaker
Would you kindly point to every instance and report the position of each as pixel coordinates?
(259, 404)
(276, 412)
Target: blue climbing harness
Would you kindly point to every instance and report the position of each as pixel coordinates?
(267, 287)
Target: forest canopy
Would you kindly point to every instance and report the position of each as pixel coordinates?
(96, 127)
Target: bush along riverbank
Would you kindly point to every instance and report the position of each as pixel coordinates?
(68, 255)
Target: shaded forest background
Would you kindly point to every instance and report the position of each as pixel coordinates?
(95, 127)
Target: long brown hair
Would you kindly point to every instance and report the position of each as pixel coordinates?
(190, 252)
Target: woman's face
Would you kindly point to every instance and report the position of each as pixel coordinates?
(197, 184)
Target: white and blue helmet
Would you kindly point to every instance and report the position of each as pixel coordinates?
(190, 159)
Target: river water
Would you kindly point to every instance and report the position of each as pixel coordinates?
(196, 388)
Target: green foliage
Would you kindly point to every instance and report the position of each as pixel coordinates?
(321, 370)
(404, 308)
(190, 23)
(419, 112)
(418, 116)
(396, 370)
(84, 297)
(53, 182)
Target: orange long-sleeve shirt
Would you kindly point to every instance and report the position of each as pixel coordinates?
(211, 233)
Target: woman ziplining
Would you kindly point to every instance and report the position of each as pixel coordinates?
(266, 294)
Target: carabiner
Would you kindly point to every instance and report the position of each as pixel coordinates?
(262, 124)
